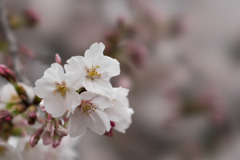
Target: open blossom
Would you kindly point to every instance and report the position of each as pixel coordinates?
(93, 71)
(120, 112)
(56, 91)
(89, 114)
(8, 94)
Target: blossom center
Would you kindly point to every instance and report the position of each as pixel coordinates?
(92, 72)
(61, 89)
(87, 108)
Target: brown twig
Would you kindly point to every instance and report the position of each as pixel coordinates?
(11, 40)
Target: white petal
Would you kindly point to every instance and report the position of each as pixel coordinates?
(120, 105)
(115, 113)
(121, 97)
(91, 55)
(109, 67)
(99, 86)
(99, 122)
(44, 86)
(121, 91)
(72, 99)
(126, 122)
(55, 105)
(87, 95)
(75, 72)
(74, 63)
(55, 73)
(101, 102)
(77, 123)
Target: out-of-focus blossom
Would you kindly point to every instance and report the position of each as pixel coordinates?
(7, 152)
(89, 114)
(54, 88)
(26, 51)
(137, 54)
(124, 81)
(93, 71)
(19, 149)
(9, 96)
(32, 17)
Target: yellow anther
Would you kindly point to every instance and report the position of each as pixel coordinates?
(61, 89)
(86, 108)
(92, 73)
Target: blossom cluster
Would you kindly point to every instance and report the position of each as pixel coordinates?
(80, 93)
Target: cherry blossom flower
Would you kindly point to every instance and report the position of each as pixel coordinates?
(120, 112)
(93, 71)
(89, 114)
(56, 91)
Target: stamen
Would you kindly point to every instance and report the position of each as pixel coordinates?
(61, 89)
(87, 108)
(92, 73)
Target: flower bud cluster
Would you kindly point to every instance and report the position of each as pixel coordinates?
(51, 132)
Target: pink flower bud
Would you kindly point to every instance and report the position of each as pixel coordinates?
(35, 137)
(56, 141)
(58, 59)
(32, 115)
(50, 127)
(110, 132)
(60, 131)
(42, 106)
(7, 73)
(5, 115)
(47, 138)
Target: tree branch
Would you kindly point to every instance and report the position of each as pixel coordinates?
(12, 43)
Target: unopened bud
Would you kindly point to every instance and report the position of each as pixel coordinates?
(35, 137)
(61, 131)
(56, 141)
(47, 138)
(110, 132)
(50, 127)
(32, 115)
(5, 116)
(58, 59)
(41, 104)
(7, 73)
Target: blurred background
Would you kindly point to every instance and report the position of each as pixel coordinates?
(179, 58)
